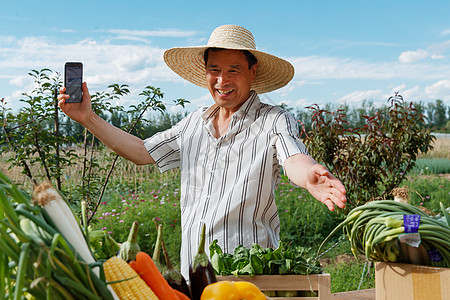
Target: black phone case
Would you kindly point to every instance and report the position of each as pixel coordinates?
(73, 78)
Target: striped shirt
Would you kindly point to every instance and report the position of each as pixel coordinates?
(228, 182)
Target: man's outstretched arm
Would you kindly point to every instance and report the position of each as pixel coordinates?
(307, 173)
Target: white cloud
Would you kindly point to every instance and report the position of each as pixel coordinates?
(438, 89)
(131, 38)
(302, 102)
(202, 101)
(313, 68)
(104, 63)
(437, 51)
(413, 56)
(132, 61)
(316, 67)
(110, 63)
(153, 33)
(399, 88)
(358, 96)
(437, 56)
(21, 80)
(290, 87)
(411, 94)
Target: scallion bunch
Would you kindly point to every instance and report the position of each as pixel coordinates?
(375, 229)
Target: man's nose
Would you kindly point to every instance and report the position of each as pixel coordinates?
(223, 78)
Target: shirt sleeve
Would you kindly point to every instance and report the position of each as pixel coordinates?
(164, 147)
(288, 142)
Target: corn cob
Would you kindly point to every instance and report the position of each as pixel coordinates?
(130, 285)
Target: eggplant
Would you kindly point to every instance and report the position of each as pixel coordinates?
(172, 275)
(201, 272)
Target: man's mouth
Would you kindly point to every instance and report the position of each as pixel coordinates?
(224, 92)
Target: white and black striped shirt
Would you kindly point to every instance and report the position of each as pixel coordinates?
(228, 182)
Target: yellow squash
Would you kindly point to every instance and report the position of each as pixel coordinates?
(232, 290)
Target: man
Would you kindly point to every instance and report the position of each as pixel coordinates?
(230, 154)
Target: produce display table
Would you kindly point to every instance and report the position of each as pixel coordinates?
(368, 294)
(320, 283)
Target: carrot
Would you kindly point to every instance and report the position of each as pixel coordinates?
(181, 296)
(146, 268)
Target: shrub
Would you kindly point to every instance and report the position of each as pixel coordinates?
(372, 160)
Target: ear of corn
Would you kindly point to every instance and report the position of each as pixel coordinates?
(128, 285)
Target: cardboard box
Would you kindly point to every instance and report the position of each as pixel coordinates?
(412, 282)
(303, 284)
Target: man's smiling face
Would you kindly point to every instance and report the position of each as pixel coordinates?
(229, 78)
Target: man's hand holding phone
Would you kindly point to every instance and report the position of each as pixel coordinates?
(76, 111)
(74, 98)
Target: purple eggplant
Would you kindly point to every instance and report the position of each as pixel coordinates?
(201, 272)
(172, 275)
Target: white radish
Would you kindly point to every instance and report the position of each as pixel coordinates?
(63, 218)
(66, 223)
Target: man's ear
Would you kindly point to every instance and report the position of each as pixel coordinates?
(253, 70)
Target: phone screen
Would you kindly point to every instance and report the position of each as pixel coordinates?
(73, 78)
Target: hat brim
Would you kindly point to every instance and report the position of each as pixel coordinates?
(271, 73)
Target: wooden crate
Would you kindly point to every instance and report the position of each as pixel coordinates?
(319, 283)
(411, 282)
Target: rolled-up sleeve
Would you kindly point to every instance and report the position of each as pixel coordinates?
(288, 142)
(164, 147)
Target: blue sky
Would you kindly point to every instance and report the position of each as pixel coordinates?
(342, 51)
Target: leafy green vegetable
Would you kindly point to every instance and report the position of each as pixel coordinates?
(261, 261)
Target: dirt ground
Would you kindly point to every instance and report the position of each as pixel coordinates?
(341, 258)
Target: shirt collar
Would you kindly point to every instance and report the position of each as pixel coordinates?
(248, 108)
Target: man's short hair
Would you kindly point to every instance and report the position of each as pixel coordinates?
(251, 59)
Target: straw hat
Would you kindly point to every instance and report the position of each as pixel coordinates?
(272, 72)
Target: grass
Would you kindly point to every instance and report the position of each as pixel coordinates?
(440, 149)
(428, 166)
(303, 220)
(153, 198)
(347, 273)
(428, 190)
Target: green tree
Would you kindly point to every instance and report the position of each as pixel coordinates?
(440, 118)
(36, 138)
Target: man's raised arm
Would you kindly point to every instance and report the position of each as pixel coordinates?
(124, 144)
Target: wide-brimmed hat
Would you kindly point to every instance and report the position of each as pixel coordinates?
(272, 72)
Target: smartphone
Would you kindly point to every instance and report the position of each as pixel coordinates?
(73, 78)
